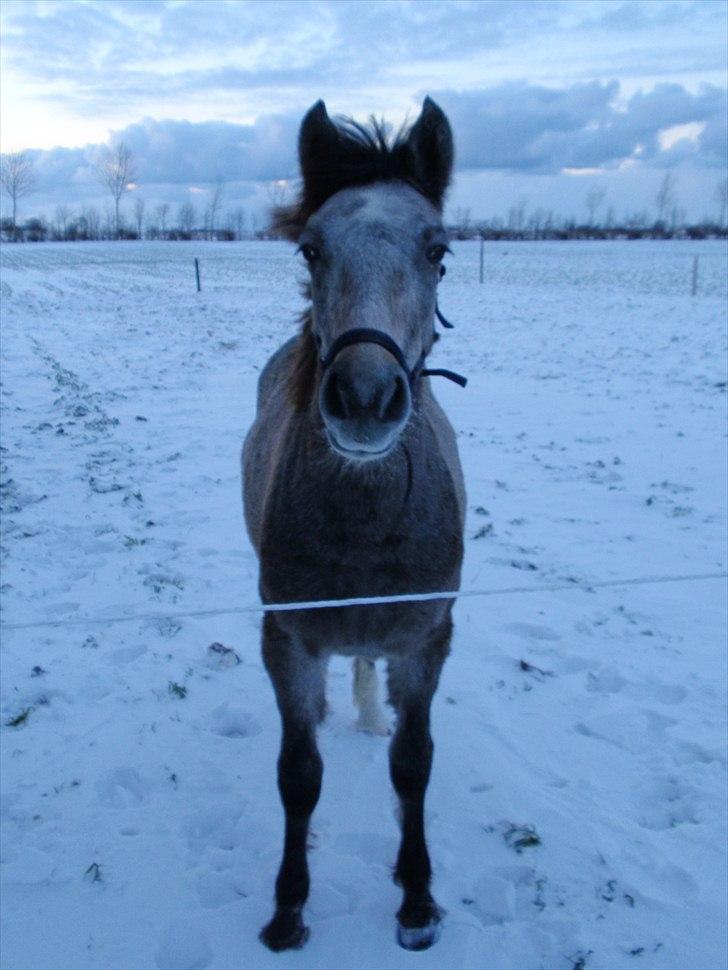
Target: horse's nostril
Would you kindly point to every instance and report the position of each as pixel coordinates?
(334, 398)
(393, 402)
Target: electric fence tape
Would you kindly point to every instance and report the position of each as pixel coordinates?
(364, 601)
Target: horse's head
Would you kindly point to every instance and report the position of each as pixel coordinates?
(369, 227)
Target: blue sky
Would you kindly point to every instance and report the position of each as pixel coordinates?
(547, 97)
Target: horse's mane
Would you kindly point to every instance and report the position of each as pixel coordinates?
(302, 377)
(361, 154)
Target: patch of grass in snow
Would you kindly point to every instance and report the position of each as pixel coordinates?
(177, 690)
(130, 542)
(578, 961)
(520, 837)
(19, 719)
(93, 873)
(534, 671)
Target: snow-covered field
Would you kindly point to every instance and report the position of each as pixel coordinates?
(577, 803)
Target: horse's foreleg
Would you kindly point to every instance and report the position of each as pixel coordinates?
(412, 683)
(298, 679)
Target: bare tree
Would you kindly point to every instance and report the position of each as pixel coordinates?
(93, 222)
(721, 194)
(162, 214)
(277, 192)
(139, 215)
(186, 217)
(665, 198)
(62, 217)
(517, 214)
(116, 171)
(237, 222)
(17, 177)
(214, 207)
(594, 198)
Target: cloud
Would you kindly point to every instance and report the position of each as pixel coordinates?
(130, 58)
(544, 130)
(522, 128)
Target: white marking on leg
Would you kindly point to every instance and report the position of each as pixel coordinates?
(372, 718)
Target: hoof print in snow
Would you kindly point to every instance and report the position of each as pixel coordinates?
(183, 947)
(233, 722)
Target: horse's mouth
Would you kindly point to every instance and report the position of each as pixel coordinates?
(358, 454)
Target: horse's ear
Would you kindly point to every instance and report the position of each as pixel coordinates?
(431, 151)
(318, 143)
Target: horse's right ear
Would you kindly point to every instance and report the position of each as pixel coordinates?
(318, 143)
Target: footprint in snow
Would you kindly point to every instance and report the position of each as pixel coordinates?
(217, 889)
(183, 947)
(234, 722)
(530, 631)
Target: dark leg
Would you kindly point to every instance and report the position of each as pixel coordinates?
(412, 683)
(298, 679)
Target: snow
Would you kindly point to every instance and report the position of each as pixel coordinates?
(576, 812)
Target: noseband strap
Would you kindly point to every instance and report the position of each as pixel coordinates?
(367, 335)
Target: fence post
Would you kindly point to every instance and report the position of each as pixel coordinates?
(694, 283)
(197, 273)
(482, 245)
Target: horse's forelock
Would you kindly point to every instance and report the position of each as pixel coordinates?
(360, 155)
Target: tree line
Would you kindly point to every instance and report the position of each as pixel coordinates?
(115, 171)
(666, 219)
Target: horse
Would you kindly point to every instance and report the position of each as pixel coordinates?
(352, 483)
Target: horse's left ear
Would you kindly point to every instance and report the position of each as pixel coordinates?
(431, 152)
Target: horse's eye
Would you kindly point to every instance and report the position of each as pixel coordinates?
(435, 253)
(309, 253)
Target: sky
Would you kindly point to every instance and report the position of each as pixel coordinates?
(547, 98)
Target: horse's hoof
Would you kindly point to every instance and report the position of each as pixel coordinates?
(285, 931)
(418, 937)
(419, 923)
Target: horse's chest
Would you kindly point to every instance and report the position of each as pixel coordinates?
(323, 543)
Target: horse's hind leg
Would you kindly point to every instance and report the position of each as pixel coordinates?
(298, 678)
(372, 719)
(412, 682)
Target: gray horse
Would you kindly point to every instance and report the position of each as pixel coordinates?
(352, 482)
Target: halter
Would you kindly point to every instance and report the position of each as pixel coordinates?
(367, 335)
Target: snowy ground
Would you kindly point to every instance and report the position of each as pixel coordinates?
(141, 820)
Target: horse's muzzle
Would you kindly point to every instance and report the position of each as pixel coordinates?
(365, 401)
